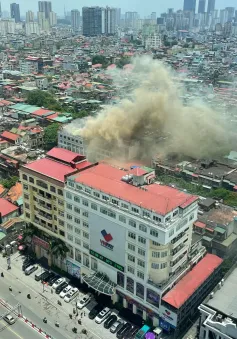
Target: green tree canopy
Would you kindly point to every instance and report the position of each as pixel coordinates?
(9, 182)
(43, 99)
(80, 114)
(51, 136)
(100, 59)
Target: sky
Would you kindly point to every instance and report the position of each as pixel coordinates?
(144, 7)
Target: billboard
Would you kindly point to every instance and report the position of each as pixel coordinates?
(107, 239)
(169, 316)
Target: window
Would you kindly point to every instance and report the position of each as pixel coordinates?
(111, 214)
(24, 177)
(61, 223)
(26, 196)
(135, 210)
(69, 206)
(52, 189)
(168, 218)
(155, 254)
(94, 207)
(77, 221)
(131, 235)
(68, 195)
(131, 247)
(154, 233)
(96, 194)
(27, 206)
(76, 199)
(69, 217)
(141, 252)
(60, 202)
(78, 241)
(131, 258)
(191, 217)
(85, 235)
(85, 214)
(182, 224)
(115, 202)
(156, 219)
(103, 210)
(142, 228)
(140, 290)
(85, 224)
(25, 187)
(155, 266)
(77, 230)
(70, 237)
(141, 240)
(60, 192)
(32, 180)
(125, 206)
(85, 245)
(77, 210)
(122, 219)
(104, 197)
(164, 254)
(164, 265)
(77, 255)
(130, 285)
(141, 263)
(171, 232)
(71, 183)
(86, 261)
(155, 243)
(140, 275)
(175, 213)
(88, 190)
(84, 202)
(80, 188)
(60, 213)
(146, 215)
(131, 269)
(132, 223)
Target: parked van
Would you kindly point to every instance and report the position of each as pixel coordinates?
(30, 269)
(102, 315)
(71, 294)
(39, 275)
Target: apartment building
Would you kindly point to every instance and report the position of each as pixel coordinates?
(43, 184)
(131, 238)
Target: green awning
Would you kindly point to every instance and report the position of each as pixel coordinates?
(207, 238)
(220, 230)
(100, 282)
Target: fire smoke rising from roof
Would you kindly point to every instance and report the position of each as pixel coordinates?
(153, 119)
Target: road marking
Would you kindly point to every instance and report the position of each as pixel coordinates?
(16, 334)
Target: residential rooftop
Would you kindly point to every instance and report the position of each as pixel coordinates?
(6, 207)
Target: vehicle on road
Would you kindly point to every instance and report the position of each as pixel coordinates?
(116, 326)
(50, 276)
(26, 263)
(110, 321)
(84, 301)
(142, 332)
(61, 287)
(122, 333)
(131, 334)
(71, 294)
(31, 269)
(58, 282)
(39, 275)
(102, 315)
(45, 276)
(53, 279)
(96, 310)
(65, 291)
(9, 319)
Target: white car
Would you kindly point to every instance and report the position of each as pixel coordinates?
(65, 291)
(71, 294)
(9, 319)
(58, 282)
(102, 315)
(84, 301)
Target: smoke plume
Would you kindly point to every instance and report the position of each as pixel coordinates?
(152, 119)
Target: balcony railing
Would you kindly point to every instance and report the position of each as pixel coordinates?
(181, 250)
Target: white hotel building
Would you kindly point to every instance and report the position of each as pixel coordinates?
(130, 238)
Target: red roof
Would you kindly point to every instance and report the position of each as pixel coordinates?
(83, 164)
(192, 280)
(65, 155)
(10, 135)
(6, 207)
(199, 224)
(161, 199)
(138, 171)
(51, 168)
(41, 112)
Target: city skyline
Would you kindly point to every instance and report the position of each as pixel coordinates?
(143, 9)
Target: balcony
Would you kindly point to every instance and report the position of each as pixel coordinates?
(179, 263)
(45, 206)
(179, 240)
(178, 251)
(44, 215)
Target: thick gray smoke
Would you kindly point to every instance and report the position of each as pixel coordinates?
(152, 119)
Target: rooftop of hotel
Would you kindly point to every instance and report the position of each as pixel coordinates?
(157, 198)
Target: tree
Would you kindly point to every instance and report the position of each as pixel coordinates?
(100, 59)
(51, 136)
(123, 61)
(80, 114)
(57, 249)
(10, 182)
(43, 99)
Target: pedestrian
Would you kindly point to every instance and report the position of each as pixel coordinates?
(51, 291)
(10, 288)
(81, 314)
(84, 313)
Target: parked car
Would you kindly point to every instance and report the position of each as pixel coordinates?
(116, 326)
(84, 301)
(110, 321)
(71, 294)
(61, 287)
(31, 269)
(96, 310)
(122, 333)
(65, 291)
(131, 334)
(58, 282)
(9, 319)
(50, 276)
(53, 279)
(44, 276)
(102, 315)
(27, 263)
(39, 275)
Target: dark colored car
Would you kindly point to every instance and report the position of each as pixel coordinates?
(49, 277)
(53, 279)
(110, 321)
(27, 263)
(122, 333)
(96, 310)
(45, 276)
(61, 287)
(132, 332)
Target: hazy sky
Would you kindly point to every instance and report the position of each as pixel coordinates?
(144, 7)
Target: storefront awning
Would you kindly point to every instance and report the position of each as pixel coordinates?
(100, 282)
